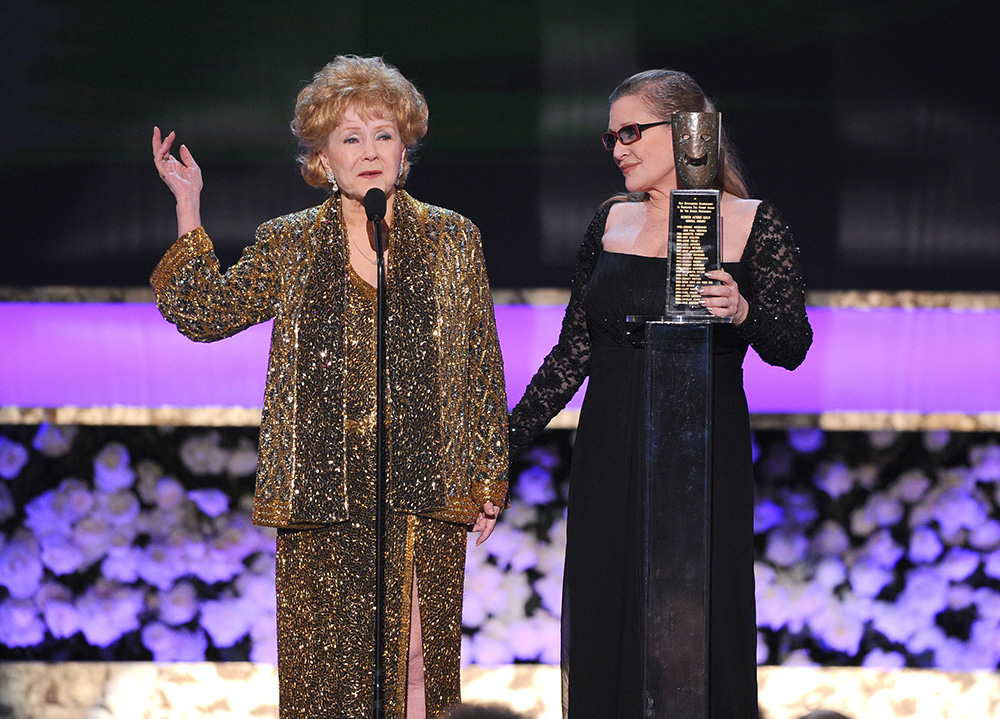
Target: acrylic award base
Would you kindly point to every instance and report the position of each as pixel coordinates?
(676, 519)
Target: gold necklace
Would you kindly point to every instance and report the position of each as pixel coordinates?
(373, 261)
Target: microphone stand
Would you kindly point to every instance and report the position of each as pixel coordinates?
(375, 206)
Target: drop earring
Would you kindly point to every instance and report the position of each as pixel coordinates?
(332, 180)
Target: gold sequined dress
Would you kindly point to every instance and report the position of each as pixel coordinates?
(446, 429)
(326, 576)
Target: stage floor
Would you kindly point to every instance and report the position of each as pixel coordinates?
(144, 690)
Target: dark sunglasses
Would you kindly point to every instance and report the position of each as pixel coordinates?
(628, 134)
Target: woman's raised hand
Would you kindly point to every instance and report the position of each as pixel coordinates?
(183, 177)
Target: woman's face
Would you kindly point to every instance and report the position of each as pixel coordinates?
(364, 153)
(648, 163)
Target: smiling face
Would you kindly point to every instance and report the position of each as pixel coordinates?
(647, 163)
(364, 153)
(696, 148)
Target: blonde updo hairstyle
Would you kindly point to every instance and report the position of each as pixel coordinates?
(665, 92)
(370, 85)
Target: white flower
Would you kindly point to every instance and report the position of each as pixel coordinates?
(930, 637)
(202, 454)
(868, 578)
(551, 559)
(830, 540)
(44, 515)
(985, 462)
(882, 549)
(60, 555)
(772, 606)
(960, 596)
(535, 486)
(480, 586)
(924, 545)
(548, 629)
(174, 645)
(936, 440)
(53, 441)
(489, 647)
(162, 565)
(504, 543)
(112, 471)
(798, 658)
(20, 565)
(988, 602)
(879, 659)
(884, 509)
(117, 508)
(957, 509)
(862, 522)
(835, 479)
(148, 473)
(520, 515)
(806, 440)
(926, 591)
(108, 610)
(766, 515)
(986, 537)
(62, 618)
(523, 639)
(169, 494)
(895, 622)
(883, 438)
(177, 605)
(958, 563)
(805, 602)
(211, 501)
(511, 596)
(265, 650)
(910, 486)
(786, 547)
(799, 509)
(763, 575)
(830, 573)
(13, 457)
(226, 620)
(7, 507)
(92, 536)
(122, 563)
(954, 655)
(549, 588)
(242, 461)
(257, 588)
(20, 625)
(842, 632)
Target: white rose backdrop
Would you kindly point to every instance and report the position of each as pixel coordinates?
(878, 549)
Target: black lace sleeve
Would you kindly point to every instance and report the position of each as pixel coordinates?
(776, 325)
(567, 365)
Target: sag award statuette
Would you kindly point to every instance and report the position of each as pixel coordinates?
(694, 246)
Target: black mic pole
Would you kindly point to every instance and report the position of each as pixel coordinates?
(375, 207)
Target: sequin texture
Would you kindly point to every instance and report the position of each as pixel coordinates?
(446, 427)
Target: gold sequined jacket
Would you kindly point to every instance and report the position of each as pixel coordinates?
(447, 407)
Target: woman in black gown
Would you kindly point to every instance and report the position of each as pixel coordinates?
(621, 270)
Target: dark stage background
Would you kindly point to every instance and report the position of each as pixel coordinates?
(872, 125)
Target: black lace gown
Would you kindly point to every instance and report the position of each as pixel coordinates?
(602, 610)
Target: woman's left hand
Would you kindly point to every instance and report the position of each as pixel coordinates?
(724, 299)
(486, 521)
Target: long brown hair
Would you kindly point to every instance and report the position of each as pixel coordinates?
(668, 91)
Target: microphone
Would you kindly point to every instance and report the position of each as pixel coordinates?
(375, 205)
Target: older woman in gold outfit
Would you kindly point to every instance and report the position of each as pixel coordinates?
(314, 273)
